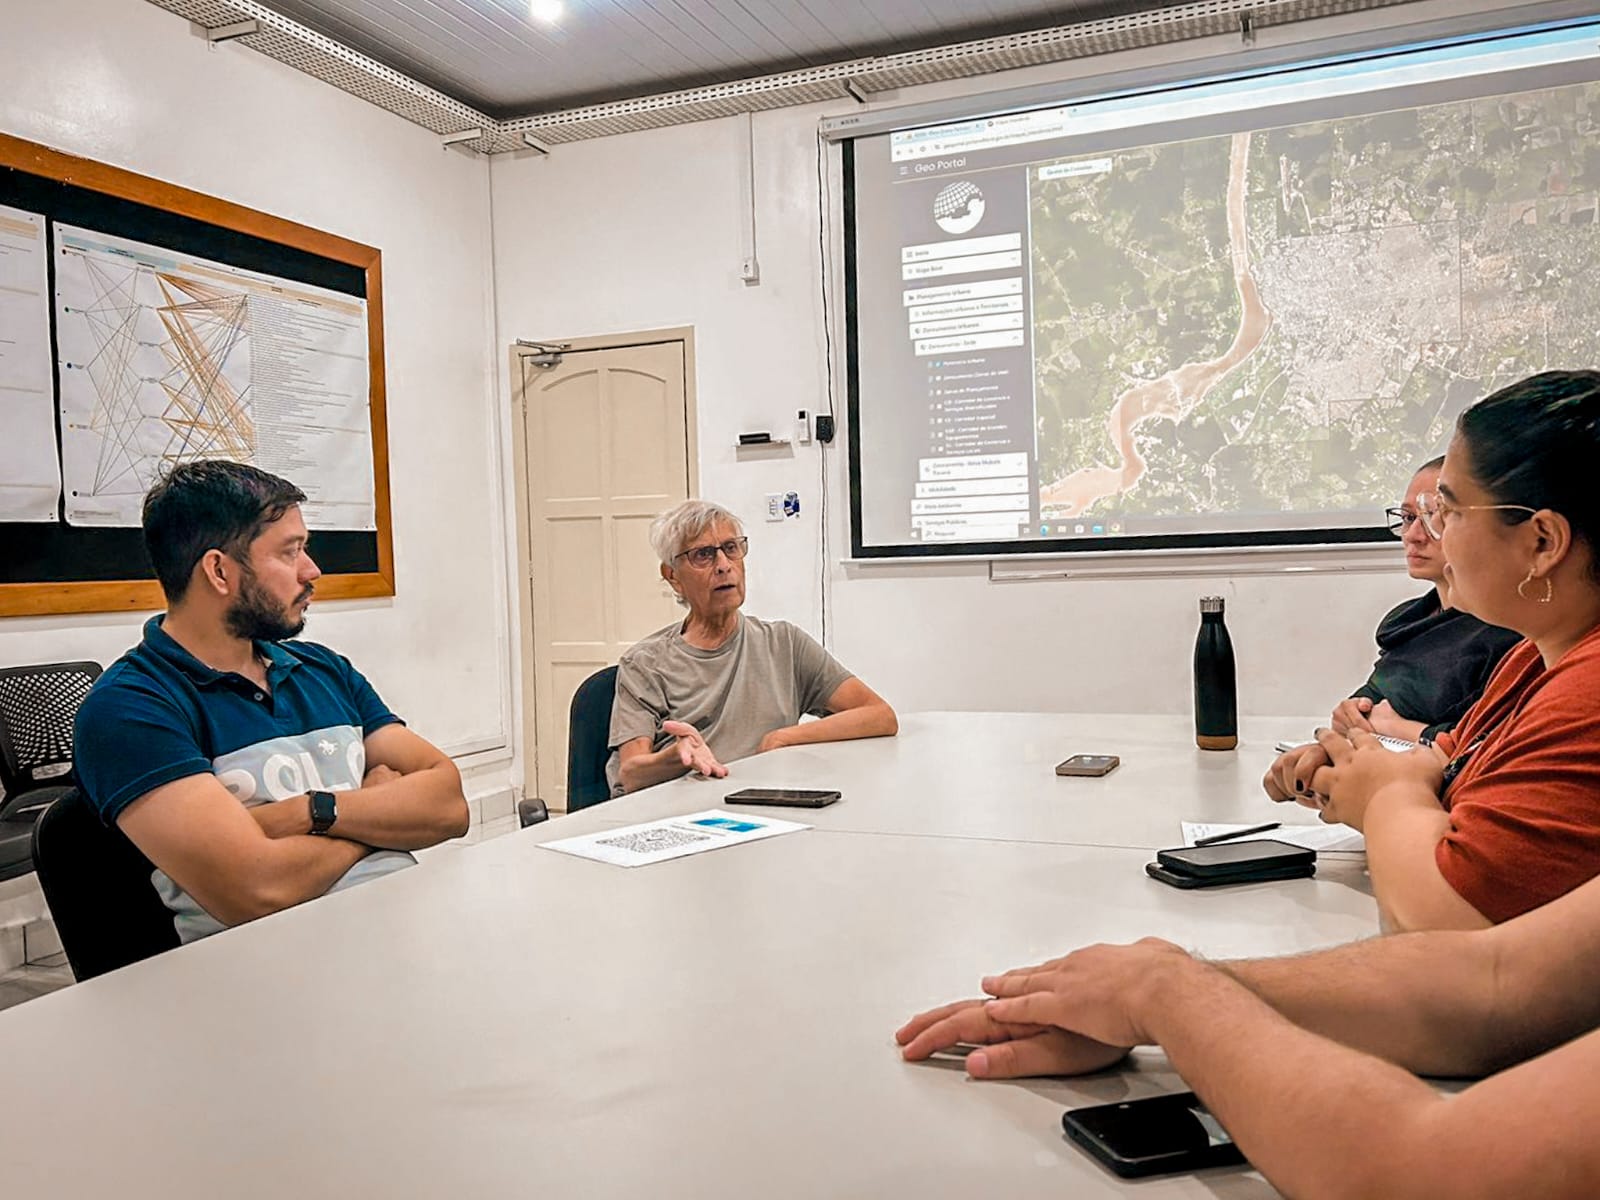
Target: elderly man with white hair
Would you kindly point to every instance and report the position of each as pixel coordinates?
(721, 685)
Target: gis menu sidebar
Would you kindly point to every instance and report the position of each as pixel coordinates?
(965, 327)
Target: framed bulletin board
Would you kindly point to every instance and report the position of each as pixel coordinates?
(143, 325)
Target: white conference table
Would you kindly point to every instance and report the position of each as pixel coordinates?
(507, 1021)
(992, 775)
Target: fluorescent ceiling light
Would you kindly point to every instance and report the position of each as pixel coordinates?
(548, 11)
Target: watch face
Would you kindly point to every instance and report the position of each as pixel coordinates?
(324, 811)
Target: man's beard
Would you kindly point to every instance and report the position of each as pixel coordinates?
(255, 615)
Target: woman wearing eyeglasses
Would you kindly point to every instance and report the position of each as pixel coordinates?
(1433, 659)
(1503, 814)
(721, 685)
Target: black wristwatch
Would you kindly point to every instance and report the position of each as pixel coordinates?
(324, 811)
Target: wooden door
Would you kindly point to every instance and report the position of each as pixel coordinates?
(606, 449)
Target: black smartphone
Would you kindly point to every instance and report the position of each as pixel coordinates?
(1236, 858)
(1268, 875)
(783, 797)
(1264, 860)
(1091, 765)
(1152, 1137)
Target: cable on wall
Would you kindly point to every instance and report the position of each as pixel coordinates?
(824, 235)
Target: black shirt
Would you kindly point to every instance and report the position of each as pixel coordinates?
(1433, 662)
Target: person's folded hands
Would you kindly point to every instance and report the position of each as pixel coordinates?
(1360, 767)
(1290, 775)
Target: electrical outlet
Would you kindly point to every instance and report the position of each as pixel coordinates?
(774, 506)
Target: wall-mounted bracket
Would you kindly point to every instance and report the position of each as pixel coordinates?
(234, 29)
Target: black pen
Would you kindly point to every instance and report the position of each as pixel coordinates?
(1237, 833)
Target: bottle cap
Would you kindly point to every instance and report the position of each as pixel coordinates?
(1210, 604)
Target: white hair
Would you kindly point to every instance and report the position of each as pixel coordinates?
(673, 530)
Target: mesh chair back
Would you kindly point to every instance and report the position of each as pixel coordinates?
(98, 887)
(37, 708)
(588, 735)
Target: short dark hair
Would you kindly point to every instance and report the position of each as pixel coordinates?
(1537, 443)
(1433, 464)
(211, 504)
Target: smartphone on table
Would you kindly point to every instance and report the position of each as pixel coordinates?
(1261, 860)
(1156, 1136)
(1088, 765)
(784, 797)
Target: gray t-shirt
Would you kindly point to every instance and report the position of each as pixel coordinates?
(762, 678)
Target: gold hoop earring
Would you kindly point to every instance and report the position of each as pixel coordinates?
(1549, 589)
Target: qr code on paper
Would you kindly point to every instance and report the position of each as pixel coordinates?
(652, 841)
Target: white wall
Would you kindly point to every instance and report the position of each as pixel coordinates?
(641, 231)
(126, 83)
(646, 231)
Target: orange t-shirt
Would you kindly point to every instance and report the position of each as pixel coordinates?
(1525, 805)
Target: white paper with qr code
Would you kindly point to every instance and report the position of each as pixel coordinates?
(674, 837)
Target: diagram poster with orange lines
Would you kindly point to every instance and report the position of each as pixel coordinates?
(164, 357)
(30, 482)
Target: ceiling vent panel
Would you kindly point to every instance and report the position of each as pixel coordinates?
(332, 62)
(325, 59)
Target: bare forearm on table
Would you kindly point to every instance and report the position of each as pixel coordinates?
(874, 720)
(1424, 1001)
(1324, 1120)
(1460, 1003)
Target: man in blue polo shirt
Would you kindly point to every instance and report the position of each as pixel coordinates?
(253, 771)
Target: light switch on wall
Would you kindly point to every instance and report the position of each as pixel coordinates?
(774, 506)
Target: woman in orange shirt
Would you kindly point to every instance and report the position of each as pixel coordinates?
(1503, 815)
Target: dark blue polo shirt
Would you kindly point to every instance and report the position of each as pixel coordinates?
(160, 714)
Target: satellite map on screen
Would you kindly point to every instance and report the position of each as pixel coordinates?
(1289, 320)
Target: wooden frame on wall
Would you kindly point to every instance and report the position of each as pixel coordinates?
(80, 175)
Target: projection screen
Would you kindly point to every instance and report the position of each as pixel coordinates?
(1235, 313)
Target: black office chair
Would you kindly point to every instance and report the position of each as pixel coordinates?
(97, 884)
(37, 708)
(588, 749)
(588, 738)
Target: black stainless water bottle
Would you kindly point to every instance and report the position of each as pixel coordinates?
(1216, 696)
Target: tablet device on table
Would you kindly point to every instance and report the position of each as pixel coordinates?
(783, 797)
(1152, 1137)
